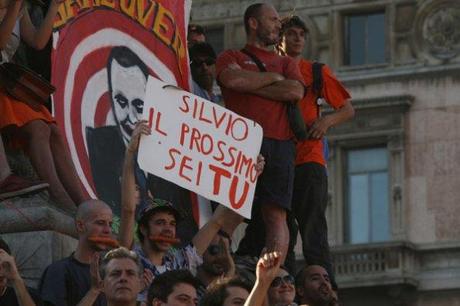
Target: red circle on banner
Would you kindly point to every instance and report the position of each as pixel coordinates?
(80, 56)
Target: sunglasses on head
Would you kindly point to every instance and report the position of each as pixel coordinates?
(208, 61)
(287, 279)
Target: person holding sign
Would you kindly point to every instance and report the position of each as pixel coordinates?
(263, 96)
(157, 225)
(28, 124)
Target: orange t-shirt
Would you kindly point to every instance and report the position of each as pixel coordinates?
(334, 93)
(270, 114)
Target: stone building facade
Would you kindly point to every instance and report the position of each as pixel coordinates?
(394, 183)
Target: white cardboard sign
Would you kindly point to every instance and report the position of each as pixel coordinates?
(200, 146)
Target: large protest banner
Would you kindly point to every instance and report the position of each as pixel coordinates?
(200, 146)
(103, 52)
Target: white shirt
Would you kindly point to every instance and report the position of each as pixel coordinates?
(12, 43)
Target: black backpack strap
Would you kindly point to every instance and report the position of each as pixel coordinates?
(255, 59)
(317, 85)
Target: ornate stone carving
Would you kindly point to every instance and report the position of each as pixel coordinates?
(441, 30)
(438, 29)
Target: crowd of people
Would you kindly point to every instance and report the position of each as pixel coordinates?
(147, 263)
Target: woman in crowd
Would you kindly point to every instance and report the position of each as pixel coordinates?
(35, 131)
(281, 291)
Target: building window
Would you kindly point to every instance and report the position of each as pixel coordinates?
(365, 39)
(215, 37)
(368, 216)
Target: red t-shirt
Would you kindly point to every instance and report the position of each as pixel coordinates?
(334, 94)
(270, 114)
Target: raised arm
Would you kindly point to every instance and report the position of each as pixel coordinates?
(96, 283)
(11, 273)
(128, 187)
(8, 22)
(223, 218)
(38, 38)
(266, 270)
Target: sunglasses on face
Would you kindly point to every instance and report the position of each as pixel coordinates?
(208, 61)
(287, 279)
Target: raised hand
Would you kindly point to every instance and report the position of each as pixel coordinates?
(141, 128)
(260, 164)
(147, 278)
(266, 270)
(225, 245)
(8, 266)
(96, 281)
(267, 267)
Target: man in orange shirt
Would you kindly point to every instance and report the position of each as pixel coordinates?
(259, 84)
(310, 184)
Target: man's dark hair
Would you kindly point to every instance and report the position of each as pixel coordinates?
(4, 246)
(201, 48)
(153, 207)
(252, 11)
(292, 21)
(126, 58)
(300, 276)
(195, 28)
(217, 291)
(163, 285)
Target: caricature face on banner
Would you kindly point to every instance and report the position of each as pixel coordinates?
(103, 52)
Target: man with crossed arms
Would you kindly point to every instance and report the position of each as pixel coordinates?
(264, 97)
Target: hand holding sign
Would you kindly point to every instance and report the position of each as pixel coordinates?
(201, 146)
(141, 128)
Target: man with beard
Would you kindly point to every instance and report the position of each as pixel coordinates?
(68, 281)
(217, 263)
(259, 84)
(313, 287)
(203, 68)
(121, 274)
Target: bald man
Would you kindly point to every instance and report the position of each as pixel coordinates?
(68, 281)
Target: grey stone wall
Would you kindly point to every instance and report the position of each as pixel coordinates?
(36, 230)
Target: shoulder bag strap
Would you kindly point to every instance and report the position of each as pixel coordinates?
(255, 59)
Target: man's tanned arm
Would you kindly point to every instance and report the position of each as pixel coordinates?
(322, 124)
(222, 217)
(128, 183)
(285, 91)
(268, 85)
(246, 81)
